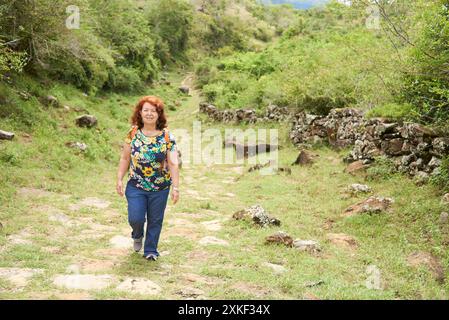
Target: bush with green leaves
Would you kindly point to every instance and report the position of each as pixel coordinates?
(324, 67)
(442, 178)
(428, 87)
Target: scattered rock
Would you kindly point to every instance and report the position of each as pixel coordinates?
(139, 285)
(444, 217)
(287, 170)
(355, 167)
(61, 218)
(280, 237)
(258, 215)
(213, 225)
(341, 239)
(310, 246)
(210, 240)
(304, 158)
(78, 145)
(421, 178)
(272, 113)
(415, 148)
(52, 101)
(190, 293)
(192, 277)
(359, 188)
(5, 135)
(313, 283)
(258, 166)
(84, 281)
(373, 204)
(19, 276)
(184, 89)
(445, 199)
(251, 289)
(277, 269)
(428, 260)
(86, 121)
(73, 269)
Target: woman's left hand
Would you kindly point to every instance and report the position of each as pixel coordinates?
(175, 196)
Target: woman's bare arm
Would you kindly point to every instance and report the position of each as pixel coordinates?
(125, 159)
(173, 166)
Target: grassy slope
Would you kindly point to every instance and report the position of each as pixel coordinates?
(303, 201)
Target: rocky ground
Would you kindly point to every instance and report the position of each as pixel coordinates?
(316, 233)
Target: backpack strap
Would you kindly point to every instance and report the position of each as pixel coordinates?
(133, 132)
(167, 140)
(166, 136)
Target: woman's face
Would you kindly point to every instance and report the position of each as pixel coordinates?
(149, 114)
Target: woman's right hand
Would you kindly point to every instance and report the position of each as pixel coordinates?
(119, 188)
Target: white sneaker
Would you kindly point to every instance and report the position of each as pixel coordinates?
(151, 257)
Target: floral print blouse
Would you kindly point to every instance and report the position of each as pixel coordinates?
(148, 155)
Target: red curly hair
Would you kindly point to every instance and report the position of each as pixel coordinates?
(136, 118)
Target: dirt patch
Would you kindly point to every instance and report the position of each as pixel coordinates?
(53, 250)
(356, 168)
(210, 240)
(428, 260)
(251, 289)
(179, 222)
(212, 225)
(74, 296)
(95, 265)
(83, 281)
(121, 242)
(26, 192)
(113, 253)
(140, 286)
(342, 240)
(192, 277)
(188, 232)
(19, 276)
(21, 238)
(90, 202)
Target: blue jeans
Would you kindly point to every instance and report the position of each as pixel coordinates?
(146, 205)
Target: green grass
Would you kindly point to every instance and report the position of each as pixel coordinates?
(303, 201)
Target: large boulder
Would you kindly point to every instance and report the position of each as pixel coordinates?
(374, 204)
(304, 158)
(258, 215)
(280, 237)
(5, 135)
(88, 121)
(52, 101)
(184, 89)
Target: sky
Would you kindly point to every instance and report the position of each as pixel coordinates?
(298, 4)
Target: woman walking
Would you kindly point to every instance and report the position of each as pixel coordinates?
(151, 156)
